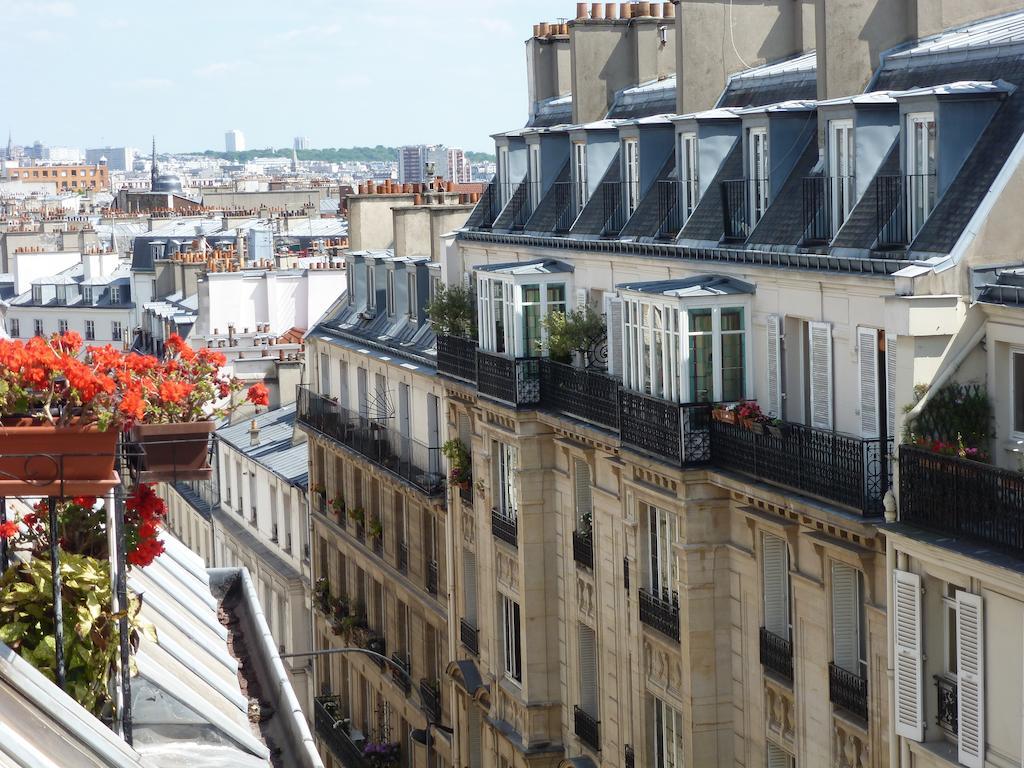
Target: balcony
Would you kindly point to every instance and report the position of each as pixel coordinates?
(487, 210)
(403, 557)
(817, 210)
(504, 527)
(430, 696)
(580, 392)
(661, 613)
(456, 357)
(583, 548)
(520, 204)
(736, 224)
(565, 195)
(334, 731)
(587, 729)
(777, 654)
(854, 472)
(902, 203)
(676, 433)
(848, 691)
(377, 543)
(670, 208)
(402, 456)
(612, 208)
(402, 661)
(962, 498)
(432, 577)
(469, 636)
(515, 381)
(947, 705)
(466, 494)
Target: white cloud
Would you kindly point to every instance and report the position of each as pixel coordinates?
(215, 68)
(58, 9)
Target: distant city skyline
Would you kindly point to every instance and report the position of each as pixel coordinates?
(315, 55)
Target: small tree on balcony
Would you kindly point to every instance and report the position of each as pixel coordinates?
(452, 311)
(581, 333)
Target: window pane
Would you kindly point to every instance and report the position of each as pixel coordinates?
(732, 366)
(556, 293)
(1018, 392)
(531, 329)
(732, 319)
(700, 321)
(702, 363)
(531, 293)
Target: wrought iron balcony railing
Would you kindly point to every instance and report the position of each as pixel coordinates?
(520, 205)
(817, 210)
(432, 576)
(403, 557)
(628, 756)
(430, 695)
(470, 637)
(854, 472)
(777, 654)
(466, 493)
(587, 728)
(487, 210)
(402, 681)
(566, 195)
(963, 498)
(660, 612)
(580, 392)
(410, 460)
(676, 433)
(613, 208)
(583, 548)
(848, 690)
(505, 527)
(333, 730)
(515, 381)
(671, 214)
(456, 357)
(947, 705)
(736, 223)
(902, 203)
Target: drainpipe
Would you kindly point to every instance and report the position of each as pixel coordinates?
(453, 638)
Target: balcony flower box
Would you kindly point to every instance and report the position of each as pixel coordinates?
(41, 459)
(724, 415)
(174, 451)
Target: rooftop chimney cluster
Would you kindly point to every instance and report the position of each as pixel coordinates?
(440, 194)
(633, 10)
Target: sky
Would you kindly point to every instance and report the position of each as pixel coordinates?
(341, 72)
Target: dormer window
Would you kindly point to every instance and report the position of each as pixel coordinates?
(62, 294)
(841, 154)
(87, 294)
(115, 294)
(689, 187)
(504, 180)
(920, 165)
(390, 293)
(410, 278)
(37, 294)
(579, 172)
(533, 177)
(757, 157)
(371, 286)
(631, 174)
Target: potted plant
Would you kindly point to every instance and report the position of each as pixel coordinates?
(580, 334)
(776, 428)
(184, 395)
(460, 473)
(338, 505)
(452, 311)
(382, 754)
(374, 528)
(749, 415)
(358, 515)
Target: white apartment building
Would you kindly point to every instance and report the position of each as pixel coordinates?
(234, 141)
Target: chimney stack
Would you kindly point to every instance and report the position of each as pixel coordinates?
(254, 433)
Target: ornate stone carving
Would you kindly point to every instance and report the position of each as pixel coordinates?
(507, 568)
(779, 711)
(585, 599)
(850, 745)
(662, 668)
(469, 528)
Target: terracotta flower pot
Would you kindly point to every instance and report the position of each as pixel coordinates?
(44, 460)
(724, 415)
(172, 452)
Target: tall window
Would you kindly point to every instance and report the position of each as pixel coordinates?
(667, 749)
(413, 298)
(538, 302)
(779, 758)
(15, 328)
(1017, 372)
(505, 460)
(62, 326)
(371, 286)
(579, 170)
(701, 344)
(689, 187)
(775, 584)
(631, 165)
(115, 294)
(533, 180)
(733, 353)
(390, 293)
(758, 173)
(510, 625)
(652, 348)
(589, 679)
(115, 330)
(37, 327)
(661, 560)
(841, 170)
(920, 159)
(497, 313)
(504, 182)
(849, 644)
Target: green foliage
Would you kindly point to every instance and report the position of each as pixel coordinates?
(90, 627)
(576, 331)
(957, 413)
(377, 154)
(452, 311)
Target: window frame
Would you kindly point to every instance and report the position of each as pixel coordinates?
(759, 169)
(90, 330)
(662, 711)
(15, 328)
(662, 568)
(501, 327)
(512, 636)
(579, 169)
(115, 294)
(841, 132)
(689, 173)
(389, 292)
(1015, 433)
(38, 327)
(630, 175)
(929, 198)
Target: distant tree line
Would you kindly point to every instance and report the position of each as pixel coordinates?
(330, 154)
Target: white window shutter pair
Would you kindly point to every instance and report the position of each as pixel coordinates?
(775, 573)
(970, 661)
(774, 329)
(867, 375)
(909, 671)
(581, 298)
(778, 757)
(613, 323)
(821, 375)
(588, 671)
(890, 383)
(846, 617)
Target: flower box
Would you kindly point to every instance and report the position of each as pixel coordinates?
(724, 415)
(48, 460)
(171, 452)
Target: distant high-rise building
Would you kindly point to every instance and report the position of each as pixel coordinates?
(459, 169)
(234, 141)
(412, 162)
(118, 158)
(300, 142)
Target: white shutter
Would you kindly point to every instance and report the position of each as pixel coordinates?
(581, 298)
(909, 680)
(469, 585)
(584, 501)
(615, 332)
(778, 757)
(775, 572)
(588, 671)
(821, 375)
(845, 618)
(970, 664)
(474, 728)
(774, 328)
(890, 383)
(867, 369)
